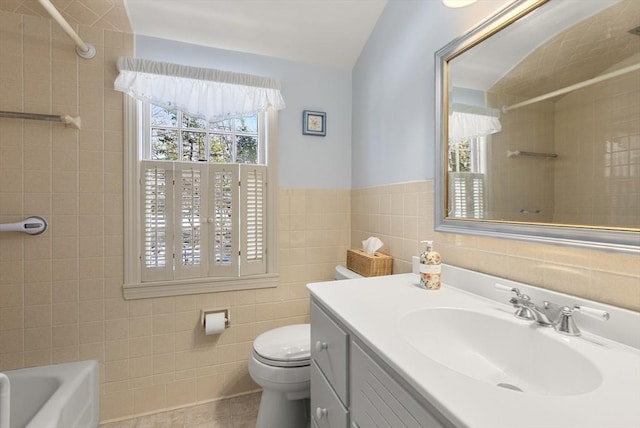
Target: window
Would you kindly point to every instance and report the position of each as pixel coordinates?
(200, 191)
(174, 135)
(467, 166)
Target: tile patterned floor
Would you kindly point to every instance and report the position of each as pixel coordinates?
(236, 412)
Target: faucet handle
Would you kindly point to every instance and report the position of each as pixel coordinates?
(565, 323)
(592, 312)
(508, 289)
(519, 302)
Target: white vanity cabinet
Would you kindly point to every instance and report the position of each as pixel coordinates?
(350, 389)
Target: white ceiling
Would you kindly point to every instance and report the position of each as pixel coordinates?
(326, 32)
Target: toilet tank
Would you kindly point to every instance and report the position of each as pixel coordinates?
(343, 273)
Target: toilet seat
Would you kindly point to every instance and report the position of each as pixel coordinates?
(288, 346)
(279, 363)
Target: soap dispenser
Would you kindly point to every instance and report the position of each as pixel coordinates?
(430, 267)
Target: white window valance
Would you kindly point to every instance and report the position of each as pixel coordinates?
(471, 121)
(211, 94)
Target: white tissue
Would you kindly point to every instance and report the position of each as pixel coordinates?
(371, 245)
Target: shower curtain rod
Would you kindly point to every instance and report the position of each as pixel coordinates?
(66, 119)
(625, 70)
(84, 50)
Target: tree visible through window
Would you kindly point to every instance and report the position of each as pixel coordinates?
(460, 156)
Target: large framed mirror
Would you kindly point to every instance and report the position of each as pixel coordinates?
(538, 125)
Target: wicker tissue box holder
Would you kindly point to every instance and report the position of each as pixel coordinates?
(377, 264)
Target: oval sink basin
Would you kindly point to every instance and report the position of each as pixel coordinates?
(504, 353)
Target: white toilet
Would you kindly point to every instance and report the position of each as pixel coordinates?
(280, 364)
(343, 273)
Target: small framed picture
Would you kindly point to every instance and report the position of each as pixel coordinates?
(314, 123)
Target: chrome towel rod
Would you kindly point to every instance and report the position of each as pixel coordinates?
(84, 50)
(517, 153)
(74, 122)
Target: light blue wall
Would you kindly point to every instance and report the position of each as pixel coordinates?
(394, 89)
(304, 161)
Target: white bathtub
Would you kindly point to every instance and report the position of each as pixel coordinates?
(56, 396)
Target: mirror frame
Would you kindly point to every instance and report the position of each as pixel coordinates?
(590, 237)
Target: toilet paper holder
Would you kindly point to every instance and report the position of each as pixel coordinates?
(205, 312)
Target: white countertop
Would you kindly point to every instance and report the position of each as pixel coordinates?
(372, 307)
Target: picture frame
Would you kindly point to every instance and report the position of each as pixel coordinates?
(314, 123)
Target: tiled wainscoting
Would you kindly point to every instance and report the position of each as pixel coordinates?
(402, 215)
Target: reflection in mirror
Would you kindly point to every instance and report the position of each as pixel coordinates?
(542, 123)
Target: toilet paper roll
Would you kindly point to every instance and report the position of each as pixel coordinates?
(214, 323)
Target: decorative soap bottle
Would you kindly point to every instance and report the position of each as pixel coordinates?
(430, 267)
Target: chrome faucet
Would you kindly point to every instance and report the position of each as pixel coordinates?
(550, 314)
(526, 309)
(524, 305)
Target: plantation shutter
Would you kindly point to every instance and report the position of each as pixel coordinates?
(466, 194)
(223, 223)
(202, 220)
(157, 220)
(253, 200)
(190, 208)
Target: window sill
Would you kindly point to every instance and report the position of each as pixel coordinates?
(146, 290)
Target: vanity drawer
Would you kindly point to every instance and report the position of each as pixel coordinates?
(329, 345)
(326, 409)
